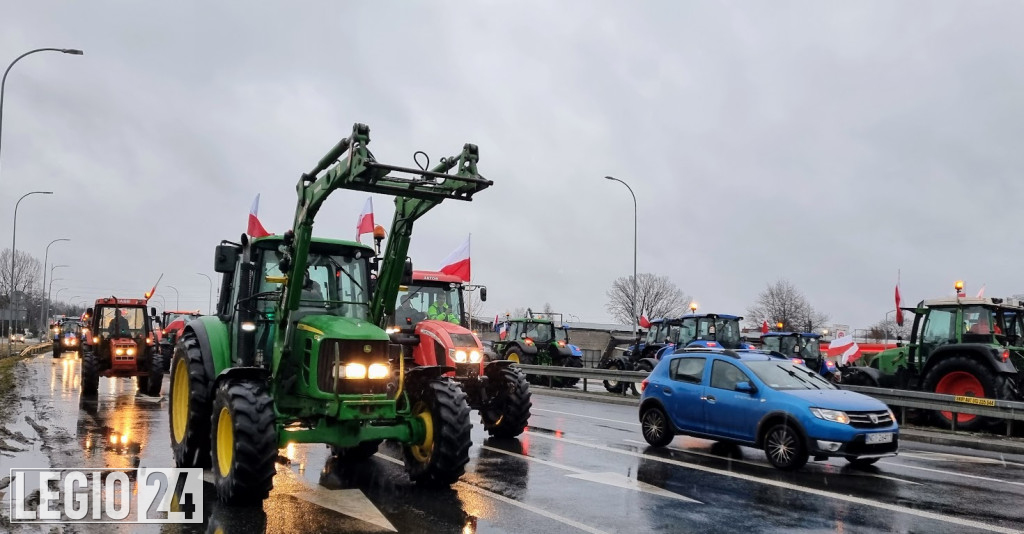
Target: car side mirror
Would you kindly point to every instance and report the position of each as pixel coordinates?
(483, 294)
(745, 387)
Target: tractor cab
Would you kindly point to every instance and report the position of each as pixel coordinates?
(120, 330)
(711, 330)
(67, 336)
(803, 348)
(432, 295)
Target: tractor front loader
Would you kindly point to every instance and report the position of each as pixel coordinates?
(293, 354)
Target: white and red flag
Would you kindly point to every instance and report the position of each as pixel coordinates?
(845, 348)
(457, 263)
(365, 223)
(644, 322)
(256, 228)
(899, 312)
(981, 292)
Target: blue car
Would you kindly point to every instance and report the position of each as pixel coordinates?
(755, 399)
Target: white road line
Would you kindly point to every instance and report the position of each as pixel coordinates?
(513, 502)
(947, 457)
(755, 464)
(794, 487)
(587, 416)
(954, 474)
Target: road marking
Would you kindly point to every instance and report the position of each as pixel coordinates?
(755, 464)
(349, 502)
(587, 416)
(946, 457)
(954, 474)
(513, 502)
(611, 479)
(786, 485)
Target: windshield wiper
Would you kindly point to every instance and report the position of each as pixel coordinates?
(800, 378)
(349, 275)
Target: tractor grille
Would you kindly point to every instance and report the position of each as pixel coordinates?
(869, 419)
(349, 351)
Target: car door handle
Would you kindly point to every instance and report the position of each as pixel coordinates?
(709, 398)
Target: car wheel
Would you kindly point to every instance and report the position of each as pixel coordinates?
(785, 448)
(655, 428)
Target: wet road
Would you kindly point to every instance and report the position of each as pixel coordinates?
(582, 466)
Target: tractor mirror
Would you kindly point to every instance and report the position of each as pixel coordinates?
(407, 272)
(483, 294)
(152, 311)
(225, 258)
(88, 312)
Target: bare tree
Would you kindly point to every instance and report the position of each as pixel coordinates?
(657, 296)
(888, 329)
(782, 302)
(22, 282)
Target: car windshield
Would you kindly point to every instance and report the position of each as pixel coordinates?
(784, 374)
(335, 284)
(419, 302)
(122, 321)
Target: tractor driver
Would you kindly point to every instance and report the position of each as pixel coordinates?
(441, 310)
(118, 325)
(311, 289)
(405, 312)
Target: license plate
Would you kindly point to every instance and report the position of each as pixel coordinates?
(885, 437)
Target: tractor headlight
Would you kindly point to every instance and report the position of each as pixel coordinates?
(391, 330)
(460, 356)
(95, 339)
(475, 356)
(378, 371)
(835, 416)
(355, 370)
(118, 351)
(130, 351)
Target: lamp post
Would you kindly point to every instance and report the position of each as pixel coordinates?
(46, 258)
(177, 297)
(49, 290)
(14, 237)
(209, 305)
(3, 84)
(635, 319)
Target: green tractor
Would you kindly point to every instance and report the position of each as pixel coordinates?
(297, 351)
(962, 346)
(536, 341)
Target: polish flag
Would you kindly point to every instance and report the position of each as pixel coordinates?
(981, 291)
(256, 228)
(846, 348)
(457, 263)
(764, 327)
(495, 322)
(644, 323)
(899, 312)
(365, 223)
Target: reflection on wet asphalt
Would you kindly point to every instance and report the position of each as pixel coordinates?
(580, 467)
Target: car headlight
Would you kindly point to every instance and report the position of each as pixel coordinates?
(460, 356)
(378, 371)
(892, 415)
(475, 356)
(835, 416)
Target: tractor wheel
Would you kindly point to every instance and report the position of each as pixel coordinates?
(640, 366)
(614, 386)
(785, 448)
(655, 428)
(514, 355)
(960, 375)
(358, 453)
(156, 373)
(56, 350)
(568, 382)
(90, 372)
(188, 405)
(507, 411)
(244, 442)
(440, 459)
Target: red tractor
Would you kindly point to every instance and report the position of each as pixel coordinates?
(121, 341)
(171, 325)
(430, 322)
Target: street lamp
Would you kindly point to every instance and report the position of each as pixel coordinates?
(177, 297)
(14, 236)
(3, 84)
(46, 258)
(49, 289)
(209, 305)
(635, 292)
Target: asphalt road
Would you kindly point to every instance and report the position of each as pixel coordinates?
(581, 466)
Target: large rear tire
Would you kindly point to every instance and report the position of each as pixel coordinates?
(441, 458)
(90, 372)
(614, 386)
(963, 376)
(640, 366)
(189, 405)
(156, 373)
(244, 442)
(568, 382)
(507, 410)
(56, 350)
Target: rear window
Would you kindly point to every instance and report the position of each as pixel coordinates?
(688, 369)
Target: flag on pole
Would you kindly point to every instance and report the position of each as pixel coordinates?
(764, 327)
(365, 223)
(457, 263)
(503, 331)
(256, 228)
(495, 322)
(846, 348)
(899, 312)
(644, 323)
(981, 291)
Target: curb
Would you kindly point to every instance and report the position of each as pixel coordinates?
(907, 433)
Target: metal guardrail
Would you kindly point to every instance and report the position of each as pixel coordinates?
(38, 348)
(1009, 411)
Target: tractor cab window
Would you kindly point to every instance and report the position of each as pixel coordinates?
(121, 322)
(337, 284)
(687, 331)
(654, 335)
(71, 329)
(514, 328)
(540, 332)
(561, 334)
(939, 328)
(980, 324)
(420, 302)
(811, 349)
(672, 336)
(727, 332)
(1014, 326)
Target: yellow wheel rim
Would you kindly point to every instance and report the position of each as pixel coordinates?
(513, 358)
(421, 452)
(179, 407)
(225, 442)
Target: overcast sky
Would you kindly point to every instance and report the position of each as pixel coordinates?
(829, 143)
